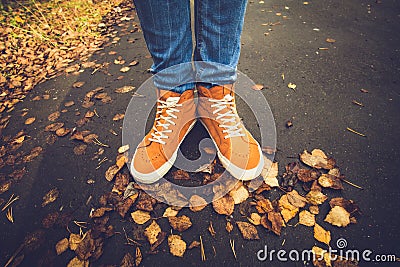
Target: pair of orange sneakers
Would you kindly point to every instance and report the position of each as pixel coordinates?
(239, 153)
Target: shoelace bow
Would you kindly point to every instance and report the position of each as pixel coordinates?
(160, 129)
(228, 119)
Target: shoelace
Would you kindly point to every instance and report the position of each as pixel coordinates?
(160, 129)
(228, 118)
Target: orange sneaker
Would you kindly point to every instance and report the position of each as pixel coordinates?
(157, 152)
(238, 151)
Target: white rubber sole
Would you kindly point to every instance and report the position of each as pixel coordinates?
(149, 178)
(235, 171)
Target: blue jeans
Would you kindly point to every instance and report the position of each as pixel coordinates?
(166, 25)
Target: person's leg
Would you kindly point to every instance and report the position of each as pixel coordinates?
(167, 32)
(218, 28)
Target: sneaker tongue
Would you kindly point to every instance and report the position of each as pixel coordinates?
(165, 95)
(219, 92)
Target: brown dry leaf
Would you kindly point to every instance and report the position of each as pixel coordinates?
(248, 230)
(338, 216)
(229, 226)
(100, 212)
(5, 186)
(330, 40)
(54, 116)
(19, 140)
(80, 150)
(197, 203)
(62, 132)
(140, 217)
(288, 211)
(152, 231)
(239, 193)
(121, 160)
(69, 103)
(74, 240)
(317, 159)
(123, 206)
(181, 223)
(118, 116)
(62, 246)
(111, 172)
(255, 218)
(177, 246)
(322, 257)
(259, 189)
(160, 238)
(124, 69)
(119, 61)
(133, 63)
(86, 247)
(145, 202)
(30, 120)
(321, 234)
(120, 184)
(224, 205)
(35, 152)
(78, 84)
(305, 175)
(276, 222)
(270, 172)
(306, 218)
(194, 244)
(264, 206)
(296, 200)
(139, 256)
(90, 138)
(171, 212)
(123, 149)
(89, 114)
(181, 175)
(127, 261)
(316, 197)
(125, 89)
(257, 87)
(330, 181)
(72, 68)
(50, 197)
(54, 126)
(76, 262)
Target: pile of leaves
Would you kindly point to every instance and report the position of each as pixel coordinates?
(39, 40)
(315, 174)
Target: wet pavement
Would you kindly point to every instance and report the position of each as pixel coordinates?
(329, 76)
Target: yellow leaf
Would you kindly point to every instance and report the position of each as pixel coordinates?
(306, 218)
(239, 193)
(338, 216)
(321, 234)
(30, 120)
(177, 246)
(292, 86)
(140, 217)
(152, 232)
